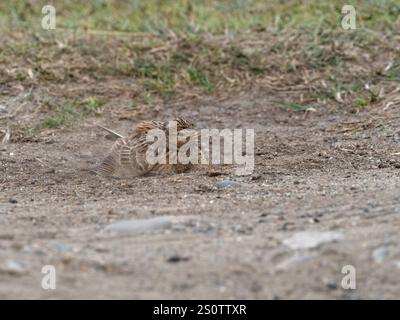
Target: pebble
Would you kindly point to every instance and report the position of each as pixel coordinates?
(143, 225)
(12, 267)
(310, 239)
(242, 229)
(61, 247)
(331, 285)
(228, 184)
(292, 261)
(177, 258)
(379, 254)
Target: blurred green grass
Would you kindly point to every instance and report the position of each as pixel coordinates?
(159, 16)
(157, 51)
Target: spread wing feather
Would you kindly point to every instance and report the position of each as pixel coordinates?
(129, 154)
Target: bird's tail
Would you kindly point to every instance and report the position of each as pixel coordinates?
(113, 133)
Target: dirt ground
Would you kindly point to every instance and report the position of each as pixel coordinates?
(329, 171)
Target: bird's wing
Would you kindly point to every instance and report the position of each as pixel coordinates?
(127, 157)
(129, 154)
(133, 155)
(144, 127)
(111, 163)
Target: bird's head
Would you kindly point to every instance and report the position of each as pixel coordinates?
(182, 124)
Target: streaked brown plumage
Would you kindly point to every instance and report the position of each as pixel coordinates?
(128, 154)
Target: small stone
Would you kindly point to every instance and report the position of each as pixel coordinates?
(260, 153)
(214, 173)
(228, 184)
(287, 226)
(177, 258)
(139, 225)
(61, 247)
(143, 225)
(331, 285)
(243, 229)
(379, 254)
(383, 165)
(293, 261)
(111, 137)
(310, 239)
(12, 267)
(12, 200)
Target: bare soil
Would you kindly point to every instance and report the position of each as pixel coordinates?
(329, 171)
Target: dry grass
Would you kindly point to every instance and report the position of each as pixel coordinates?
(75, 75)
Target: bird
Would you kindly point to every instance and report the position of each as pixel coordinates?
(127, 156)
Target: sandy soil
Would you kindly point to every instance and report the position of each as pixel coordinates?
(330, 171)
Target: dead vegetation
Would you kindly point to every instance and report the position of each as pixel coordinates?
(69, 77)
(149, 54)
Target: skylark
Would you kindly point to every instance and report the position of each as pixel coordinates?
(128, 154)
